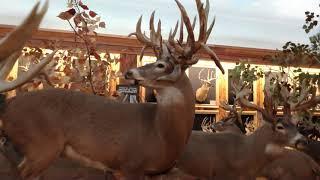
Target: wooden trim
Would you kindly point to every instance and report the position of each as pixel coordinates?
(123, 44)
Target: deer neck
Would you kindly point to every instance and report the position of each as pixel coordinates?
(263, 139)
(175, 113)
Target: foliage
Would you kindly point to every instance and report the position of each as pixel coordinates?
(287, 88)
(69, 70)
(81, 67)
(246, 72)
(84, 23)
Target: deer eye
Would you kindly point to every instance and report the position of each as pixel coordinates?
(160, 66)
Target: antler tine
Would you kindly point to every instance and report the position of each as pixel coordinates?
(172, 35)
(211, 76)
(8, 64)
(181, 31)
(244, 102)
(193, 26)
(210, 28)
(194, 22)
(152, 29)
(304, 92)
(175, 30)
(213, 56)
(203, 22)
(199, 75)
(207, 8)
(155, 40)
(15, 40)
(312, 102)
(159, 29)
(7, 86)
(224, 105)
(142, 52)
(140, 36)
(188, 25)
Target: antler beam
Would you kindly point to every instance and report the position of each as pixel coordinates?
(183, 53)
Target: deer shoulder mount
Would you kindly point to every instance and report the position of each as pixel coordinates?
(207, 83)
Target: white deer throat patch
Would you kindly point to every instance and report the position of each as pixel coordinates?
(170, 95)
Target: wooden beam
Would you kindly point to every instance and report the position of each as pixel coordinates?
(123, 44)
(130, 45)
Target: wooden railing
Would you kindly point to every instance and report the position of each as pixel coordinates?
(126, 45)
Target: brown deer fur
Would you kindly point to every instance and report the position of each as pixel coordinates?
(229, 155)
(135, 139)
(312, 148)
(42, 124)
(291, 164)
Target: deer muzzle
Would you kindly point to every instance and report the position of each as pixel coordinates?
(302, 144)
(297, 139)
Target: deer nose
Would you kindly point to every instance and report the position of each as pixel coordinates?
(129, 75)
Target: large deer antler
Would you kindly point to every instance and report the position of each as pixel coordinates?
(210, 76)
(206, 125)
(242, 92)
(307, 98)
(11, 45)
(183, 53)
(233, 113)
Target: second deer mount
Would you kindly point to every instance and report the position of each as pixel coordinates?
(207, 82)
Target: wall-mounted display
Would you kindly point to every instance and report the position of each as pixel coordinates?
(248, 121)
(203, 119)
(231, 95)
(203, 81)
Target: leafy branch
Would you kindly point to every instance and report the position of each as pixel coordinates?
(84, 23)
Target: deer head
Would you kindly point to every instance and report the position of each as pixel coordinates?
(284, 131)
(173, 57)
(11, 46)
(231, 123)
(202, 92)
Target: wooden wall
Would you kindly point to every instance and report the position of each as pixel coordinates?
(129, 48)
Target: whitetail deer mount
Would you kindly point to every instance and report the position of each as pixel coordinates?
(234, 156)
(207, 82)
(134, 139)
(285, 166)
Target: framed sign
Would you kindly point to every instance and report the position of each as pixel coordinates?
(130, 93)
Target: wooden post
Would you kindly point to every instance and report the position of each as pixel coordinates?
(12, 76)
(222, 93)
(260, 98)
(127, 61)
